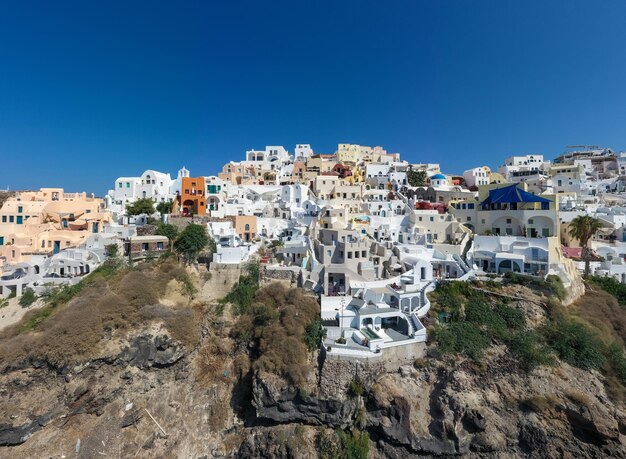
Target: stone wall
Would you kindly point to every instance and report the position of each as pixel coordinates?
(146, 230)
(288, 277)
(222, 277)
(336, 372)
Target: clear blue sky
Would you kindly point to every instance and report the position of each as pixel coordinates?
(90, 91)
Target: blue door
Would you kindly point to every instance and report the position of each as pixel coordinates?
(1, 240)
(57, 246)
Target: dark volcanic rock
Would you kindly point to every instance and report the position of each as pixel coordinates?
(11, 436)
(145, 351)
(281, 403)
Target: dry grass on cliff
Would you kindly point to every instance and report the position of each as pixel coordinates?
(275, 324)
(70, 332)
(603, 312)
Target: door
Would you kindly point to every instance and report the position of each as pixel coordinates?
(57, 246)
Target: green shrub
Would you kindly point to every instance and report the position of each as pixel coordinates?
(111, 250)
(530, 349)
(188, 288)
(463, 338)
(520, 279)
(451, 296)
(354, 444)
(28, 298)
(313, 335)
(356, 388)
(615, 354)
(575, 344)
(496, 320)
(556, 286)
(611, 286)
(513, 318)
(242, 293)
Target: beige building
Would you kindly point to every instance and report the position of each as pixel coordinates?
(245, 227)
(47, 221)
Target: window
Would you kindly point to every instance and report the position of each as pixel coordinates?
(20, 220)
(119, 185)
(11, 219)
(19, 209)
(127, 184)
(4, 219)
(144, 246)
(530, 221)
(363, 253)
(246, 227)
(508, 221)
(349, 254)
(159, 246)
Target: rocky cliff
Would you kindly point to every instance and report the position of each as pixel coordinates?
(146, 394)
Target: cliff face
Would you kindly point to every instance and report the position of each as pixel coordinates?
(441, 409)
(147, 395)
(465, 409)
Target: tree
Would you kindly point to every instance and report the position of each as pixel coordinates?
(169, 231)
(583, 228)
(111, 251)
(140, 206)
(188, 288)
(191, 241)
(165, 207)
(417, 178)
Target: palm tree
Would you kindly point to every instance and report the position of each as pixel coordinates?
(583, 228)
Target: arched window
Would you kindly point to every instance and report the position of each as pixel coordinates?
(247, 227)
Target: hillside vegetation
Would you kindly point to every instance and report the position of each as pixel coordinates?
(71, 327)
(589, 335)
(508, 372)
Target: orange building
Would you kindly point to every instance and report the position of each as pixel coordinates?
(192, 200)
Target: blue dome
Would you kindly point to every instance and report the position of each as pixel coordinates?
(438, 177)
